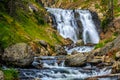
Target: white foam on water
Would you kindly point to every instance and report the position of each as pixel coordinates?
(66, 73)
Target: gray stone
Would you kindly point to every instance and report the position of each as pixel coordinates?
(1, 75)
(118, 54)
(43, 43)
(60, 50)
(79, 42)
(95, 61)
(20, 54)
(96, 21)
(74, 52)
(111, 46)
(76, 60)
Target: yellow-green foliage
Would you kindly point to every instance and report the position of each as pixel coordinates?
(10, 74)
(25, 26)
(104, 42)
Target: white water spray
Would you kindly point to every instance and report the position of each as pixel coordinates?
(66, 24)
(90, 34)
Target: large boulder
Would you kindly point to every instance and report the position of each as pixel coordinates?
(111, 47)
(60, 50)
(20, 54)
(76, 60)
(1, 75)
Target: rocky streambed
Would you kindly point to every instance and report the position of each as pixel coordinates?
(100, 64)
(94, 65)
(53, 68)
(77, 66)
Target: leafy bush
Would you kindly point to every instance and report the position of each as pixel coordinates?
(10, 74)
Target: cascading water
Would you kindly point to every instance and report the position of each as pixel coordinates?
(66, 24)
(90, 34)
(53, 68)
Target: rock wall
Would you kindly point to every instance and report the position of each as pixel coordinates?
(20, 54)
(55, 3)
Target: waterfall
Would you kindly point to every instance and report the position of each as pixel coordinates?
(67, 25)
(90, 34)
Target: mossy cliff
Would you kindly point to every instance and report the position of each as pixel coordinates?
(25, 21)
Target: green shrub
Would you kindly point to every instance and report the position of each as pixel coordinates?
(99, 45)
(10, 74)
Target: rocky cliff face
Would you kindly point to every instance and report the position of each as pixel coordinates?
(73, 4)
(55, 3)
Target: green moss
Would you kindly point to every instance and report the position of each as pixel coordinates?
(108, 40)
(97, 6)
(26, 26)
(99, 45)
(75, 0)
(10, 74)
(116, 34)
(104, 42)
(105, 22)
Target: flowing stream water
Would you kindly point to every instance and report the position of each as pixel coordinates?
(53, 68)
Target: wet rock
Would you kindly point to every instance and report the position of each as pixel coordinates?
(44, 51)
(48, 61)
(60, 50)
(79, 43)
(37, 79)
(117, 55)
(116, 67)
(92, 55)
(43, 43)
(68, 41)
(19, 54)
(76, 60)
(79, 23)
(95, 61)
(1, 75)
(96, 21)
(92, 78)
(74, 52)
(37, 65)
